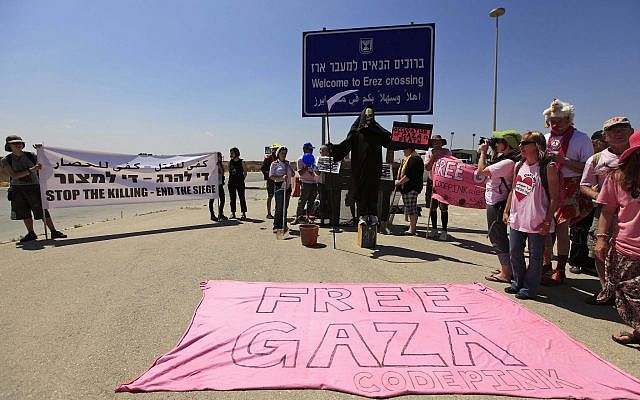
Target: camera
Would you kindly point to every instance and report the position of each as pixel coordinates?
(490, 141)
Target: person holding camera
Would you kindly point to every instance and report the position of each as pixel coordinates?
(24, 190)
(504, 145)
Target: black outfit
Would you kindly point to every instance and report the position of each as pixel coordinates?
(414, 171)
(221, 196)
(365, 143)
(236, 185)
(266, 165)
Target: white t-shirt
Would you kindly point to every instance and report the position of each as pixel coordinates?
(580, 149)
(429, 154)
(595, 174)
(495, 191)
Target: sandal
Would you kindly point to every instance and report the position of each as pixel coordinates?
(626, 338)
(496, 278)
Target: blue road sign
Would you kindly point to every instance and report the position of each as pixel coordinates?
(390, 67)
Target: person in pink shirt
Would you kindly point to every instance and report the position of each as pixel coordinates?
(620, 212)
(617, 132)
(529, 212)
(504, 145)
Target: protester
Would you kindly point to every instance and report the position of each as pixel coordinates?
(529, 212)
(436, 151)
(281, 173)
(617, 132)
(237, 175)
(323, 190)
(620, 213)
(580, 256)
(365, 141)
(266, 165)
(410, 184)
(598, 141)
(309, 188)
(24, 188)
(504, 145)
(569, 149)
(221, 199)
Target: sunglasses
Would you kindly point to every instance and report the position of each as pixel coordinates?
(526, 142)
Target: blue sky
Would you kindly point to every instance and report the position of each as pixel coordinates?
(168, 77)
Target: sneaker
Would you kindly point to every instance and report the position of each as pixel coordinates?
(57, 235)
(223, 217)
(433, 233)
(214, 218)
(233, 216)
(244, 217)
(522, 296)
(575, 269)
(443, 236)
(269, 216)
(31, 235)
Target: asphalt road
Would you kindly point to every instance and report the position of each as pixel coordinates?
(84, 314)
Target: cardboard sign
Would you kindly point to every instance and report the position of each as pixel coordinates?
(415, 135)
(326, 165)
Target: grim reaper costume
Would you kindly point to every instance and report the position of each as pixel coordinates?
(365, 141)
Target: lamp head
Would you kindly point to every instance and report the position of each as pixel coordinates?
(497, 12)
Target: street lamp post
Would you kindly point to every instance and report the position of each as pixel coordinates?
(496, 13)
(451, 144)
(473, 140)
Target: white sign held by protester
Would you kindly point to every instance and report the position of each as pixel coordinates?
(76, 178)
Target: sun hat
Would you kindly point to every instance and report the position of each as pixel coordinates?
(12, 139)
(510, 136)
(558, 109)
(615, 121)
(275, 146)
(437, 137)
(634, 142)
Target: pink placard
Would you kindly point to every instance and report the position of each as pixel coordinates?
(378, 340)
(457, 184)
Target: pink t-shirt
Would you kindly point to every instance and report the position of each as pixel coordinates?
(307, 176)
(627, 231)
(595, 174)
(529, 203)
(495, 191)
(580, 149)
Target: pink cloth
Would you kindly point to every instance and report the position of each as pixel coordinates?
(529, 203)
(377, 340)
(457, 183)
(495, 189)
(627, 230)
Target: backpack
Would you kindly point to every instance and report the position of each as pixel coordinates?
(513, 156)
(543, 174)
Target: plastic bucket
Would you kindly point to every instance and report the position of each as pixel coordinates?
(309, 234)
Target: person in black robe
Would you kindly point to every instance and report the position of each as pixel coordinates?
(365, 141)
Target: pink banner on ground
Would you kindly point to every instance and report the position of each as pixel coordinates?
(456, 183)
(378, 341)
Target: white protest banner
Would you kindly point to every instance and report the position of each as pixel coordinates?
(75, 178)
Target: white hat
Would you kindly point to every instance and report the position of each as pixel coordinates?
(559, 109)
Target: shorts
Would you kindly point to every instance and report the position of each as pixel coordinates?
(270, 187)
(25, 202)
(410, 200)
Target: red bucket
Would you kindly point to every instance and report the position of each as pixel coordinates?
(309, 234)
